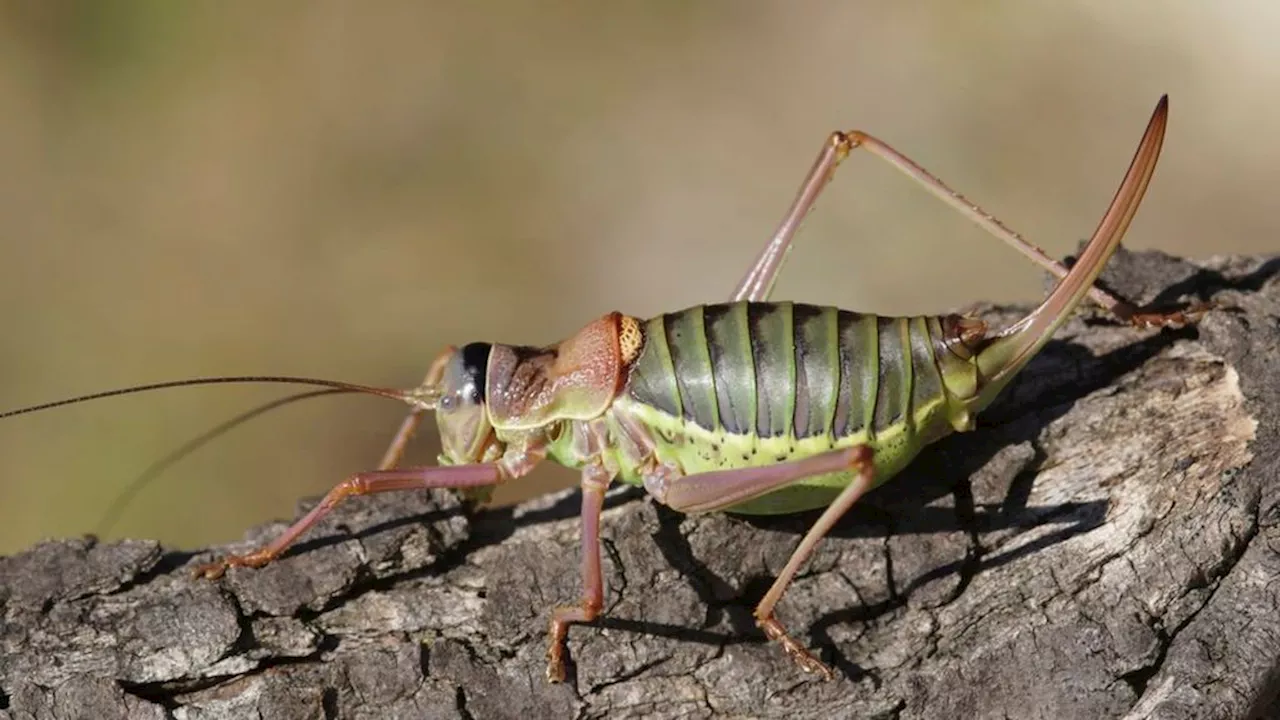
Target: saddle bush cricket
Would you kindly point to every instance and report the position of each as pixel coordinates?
(747, 406)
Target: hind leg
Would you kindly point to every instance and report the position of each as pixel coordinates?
(757, 284)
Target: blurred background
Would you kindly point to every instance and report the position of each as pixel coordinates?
(307, 188)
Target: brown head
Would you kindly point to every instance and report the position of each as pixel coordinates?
(482, 389)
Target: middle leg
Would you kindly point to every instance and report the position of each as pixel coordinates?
(366, 483)
(595, 480)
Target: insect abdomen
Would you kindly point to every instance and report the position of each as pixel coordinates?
(774, 370)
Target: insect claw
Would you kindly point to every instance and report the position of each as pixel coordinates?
(555, 662)
(210, 571)
(805, 659)
(215, 570)
(1172, 319)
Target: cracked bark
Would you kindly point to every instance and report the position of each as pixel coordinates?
(1106, 545)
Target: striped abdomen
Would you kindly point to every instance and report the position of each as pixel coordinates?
(788, 370)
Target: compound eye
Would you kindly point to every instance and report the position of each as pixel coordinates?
(464, 378)
(475, 365)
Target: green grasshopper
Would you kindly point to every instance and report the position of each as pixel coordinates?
(748, 406)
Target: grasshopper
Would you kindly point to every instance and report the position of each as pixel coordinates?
(747, 406)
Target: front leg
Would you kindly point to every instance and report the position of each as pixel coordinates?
(595, 480)
(516, 463)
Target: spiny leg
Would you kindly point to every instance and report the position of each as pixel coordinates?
(758, 283)
(595, 480)
(366, 483)
(721, 489)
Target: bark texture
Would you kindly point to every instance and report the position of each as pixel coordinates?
(1106, 545)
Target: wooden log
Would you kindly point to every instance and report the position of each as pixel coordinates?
(1105, 545)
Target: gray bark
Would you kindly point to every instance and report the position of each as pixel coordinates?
(1105, 545)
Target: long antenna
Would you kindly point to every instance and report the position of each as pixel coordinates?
(410, 397)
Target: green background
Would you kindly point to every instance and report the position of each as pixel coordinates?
(339, 189)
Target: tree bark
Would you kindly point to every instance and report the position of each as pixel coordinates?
(1105, 545)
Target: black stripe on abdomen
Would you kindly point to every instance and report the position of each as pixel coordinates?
(691, 362)
(926, 377)
(893, 397)
(817, 363)
(859, 353)
(774, 360)
(778, 368)
(729, 341)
